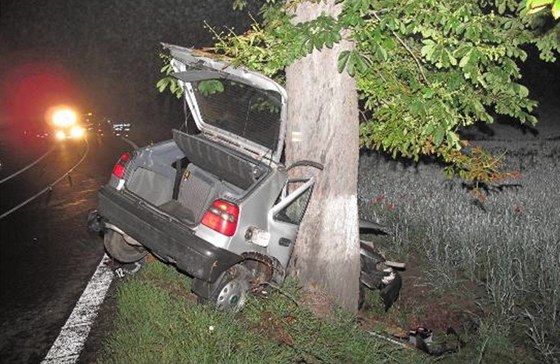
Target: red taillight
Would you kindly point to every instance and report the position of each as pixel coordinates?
(118, 169)
(222, 217)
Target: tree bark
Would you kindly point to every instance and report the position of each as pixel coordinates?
(323, 127)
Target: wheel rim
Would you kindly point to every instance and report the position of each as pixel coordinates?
(232, 296)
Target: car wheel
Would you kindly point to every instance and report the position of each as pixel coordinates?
(120, 250)
(231, 294)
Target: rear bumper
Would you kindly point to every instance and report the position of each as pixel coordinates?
(167, 238)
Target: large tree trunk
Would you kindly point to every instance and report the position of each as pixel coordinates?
(323, 127)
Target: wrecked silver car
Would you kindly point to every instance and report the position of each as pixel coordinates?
(216, 201)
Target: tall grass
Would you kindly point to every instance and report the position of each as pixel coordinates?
(508, 244)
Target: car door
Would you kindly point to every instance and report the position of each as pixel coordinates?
(286, 216)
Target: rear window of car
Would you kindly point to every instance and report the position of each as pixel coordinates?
(250, 113)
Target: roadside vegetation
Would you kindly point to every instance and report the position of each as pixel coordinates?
(488, 269)
(490, 266)
(159, 321)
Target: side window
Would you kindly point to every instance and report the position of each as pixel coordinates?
(293, 212)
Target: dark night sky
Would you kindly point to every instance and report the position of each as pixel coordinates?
(101, 56)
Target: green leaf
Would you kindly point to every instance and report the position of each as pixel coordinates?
(308, 45)
(343, 60)
(429, 129)
(361, 65)
(350, 65)
(162, 84)
(381, 53)
(452, 60)
(438, 136)
(428, 48)
(535, 6)
(329, 42)
(416, 108)
(453, 140)
(523, 91)
(318, 41)
(389, 43)
(556, 9)
(428, 92)
(501, 8)
(465, 60)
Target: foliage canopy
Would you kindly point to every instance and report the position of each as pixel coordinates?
(424, 69)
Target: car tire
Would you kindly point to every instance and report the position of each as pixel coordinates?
(118, 249)
(231, 293)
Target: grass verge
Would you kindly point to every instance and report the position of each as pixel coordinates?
(159, 321)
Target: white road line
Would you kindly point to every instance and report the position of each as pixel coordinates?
(72, 338)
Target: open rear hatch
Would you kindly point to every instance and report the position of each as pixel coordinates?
(233, 106)
(239, 135)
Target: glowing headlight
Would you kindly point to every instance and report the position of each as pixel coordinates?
(64, 117)
(77, 132)
(60, 135)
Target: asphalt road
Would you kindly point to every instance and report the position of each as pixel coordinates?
(46, 254)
